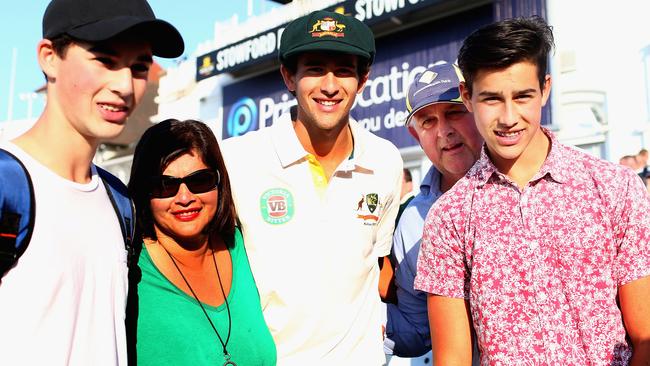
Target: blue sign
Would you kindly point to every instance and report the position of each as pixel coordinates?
(254, 103)
(242, 117)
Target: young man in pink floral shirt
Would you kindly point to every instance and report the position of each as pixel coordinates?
(541, 250)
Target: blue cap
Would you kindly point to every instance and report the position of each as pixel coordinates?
(437, 84)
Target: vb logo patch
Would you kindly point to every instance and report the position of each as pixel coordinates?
(368, 208)
(276, 206)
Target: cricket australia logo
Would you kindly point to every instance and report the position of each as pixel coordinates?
(276, 206)
(327, 27)
(368, 208)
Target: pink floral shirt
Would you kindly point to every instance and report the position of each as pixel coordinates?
(541, 266)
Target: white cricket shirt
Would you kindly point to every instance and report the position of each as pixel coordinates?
(314, 250)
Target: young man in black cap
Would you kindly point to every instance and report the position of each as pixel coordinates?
(64, 300)
(318, 199)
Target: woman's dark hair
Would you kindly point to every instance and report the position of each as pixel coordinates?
(158, 147)
(502, 44)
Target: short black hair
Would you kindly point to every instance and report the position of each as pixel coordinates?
(502, 44)
(60, 45)
(158, 147)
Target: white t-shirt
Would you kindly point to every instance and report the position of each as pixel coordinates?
(64, 301)
(314, 254)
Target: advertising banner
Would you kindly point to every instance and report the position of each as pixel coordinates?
(381, 108)
(265, 46)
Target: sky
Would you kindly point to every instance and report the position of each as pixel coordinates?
(20, 31)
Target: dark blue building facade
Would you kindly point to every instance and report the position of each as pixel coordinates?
(408, 40)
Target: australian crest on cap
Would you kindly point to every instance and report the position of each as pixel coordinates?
(327, 27)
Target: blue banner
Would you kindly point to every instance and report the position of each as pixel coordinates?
(381, 108)
(264, 46)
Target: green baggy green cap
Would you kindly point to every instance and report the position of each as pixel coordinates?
(326, 31)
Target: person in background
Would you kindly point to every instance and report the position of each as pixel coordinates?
(642, 164)
(440, 122)
(317, 196)
(63, 303)
(197, 300)
(406, 195)
(628, 160)
(541, 249)
(638, 163)
(407, 187)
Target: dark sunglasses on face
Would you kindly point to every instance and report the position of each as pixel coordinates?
(200, 181)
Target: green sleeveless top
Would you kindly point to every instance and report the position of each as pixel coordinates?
(172, 329)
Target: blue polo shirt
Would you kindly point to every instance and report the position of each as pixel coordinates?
(407, 327)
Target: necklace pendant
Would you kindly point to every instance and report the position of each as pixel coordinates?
(228, 361)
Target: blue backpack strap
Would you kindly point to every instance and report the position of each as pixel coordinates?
(17, 210)
(119, 196)
(125, 210)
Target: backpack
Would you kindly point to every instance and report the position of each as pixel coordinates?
(17, 210)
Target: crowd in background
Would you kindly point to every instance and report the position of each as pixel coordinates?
(638, 163)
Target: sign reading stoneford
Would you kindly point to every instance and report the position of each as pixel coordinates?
(264, 46)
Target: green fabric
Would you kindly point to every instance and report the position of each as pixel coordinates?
(172, 329)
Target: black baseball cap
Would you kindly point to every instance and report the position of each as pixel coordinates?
(100, 20)
(326, 31)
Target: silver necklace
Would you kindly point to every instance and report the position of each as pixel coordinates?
(226, 355)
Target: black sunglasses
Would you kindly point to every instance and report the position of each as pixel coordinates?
(200, 181)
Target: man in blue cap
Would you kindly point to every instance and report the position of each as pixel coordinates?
(63, 302)
(439, 121)
(317, 196)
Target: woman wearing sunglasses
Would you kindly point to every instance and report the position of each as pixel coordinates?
(197, 300)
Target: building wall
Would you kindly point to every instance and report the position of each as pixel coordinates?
(599, 64)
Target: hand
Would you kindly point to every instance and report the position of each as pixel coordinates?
(387, 287)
